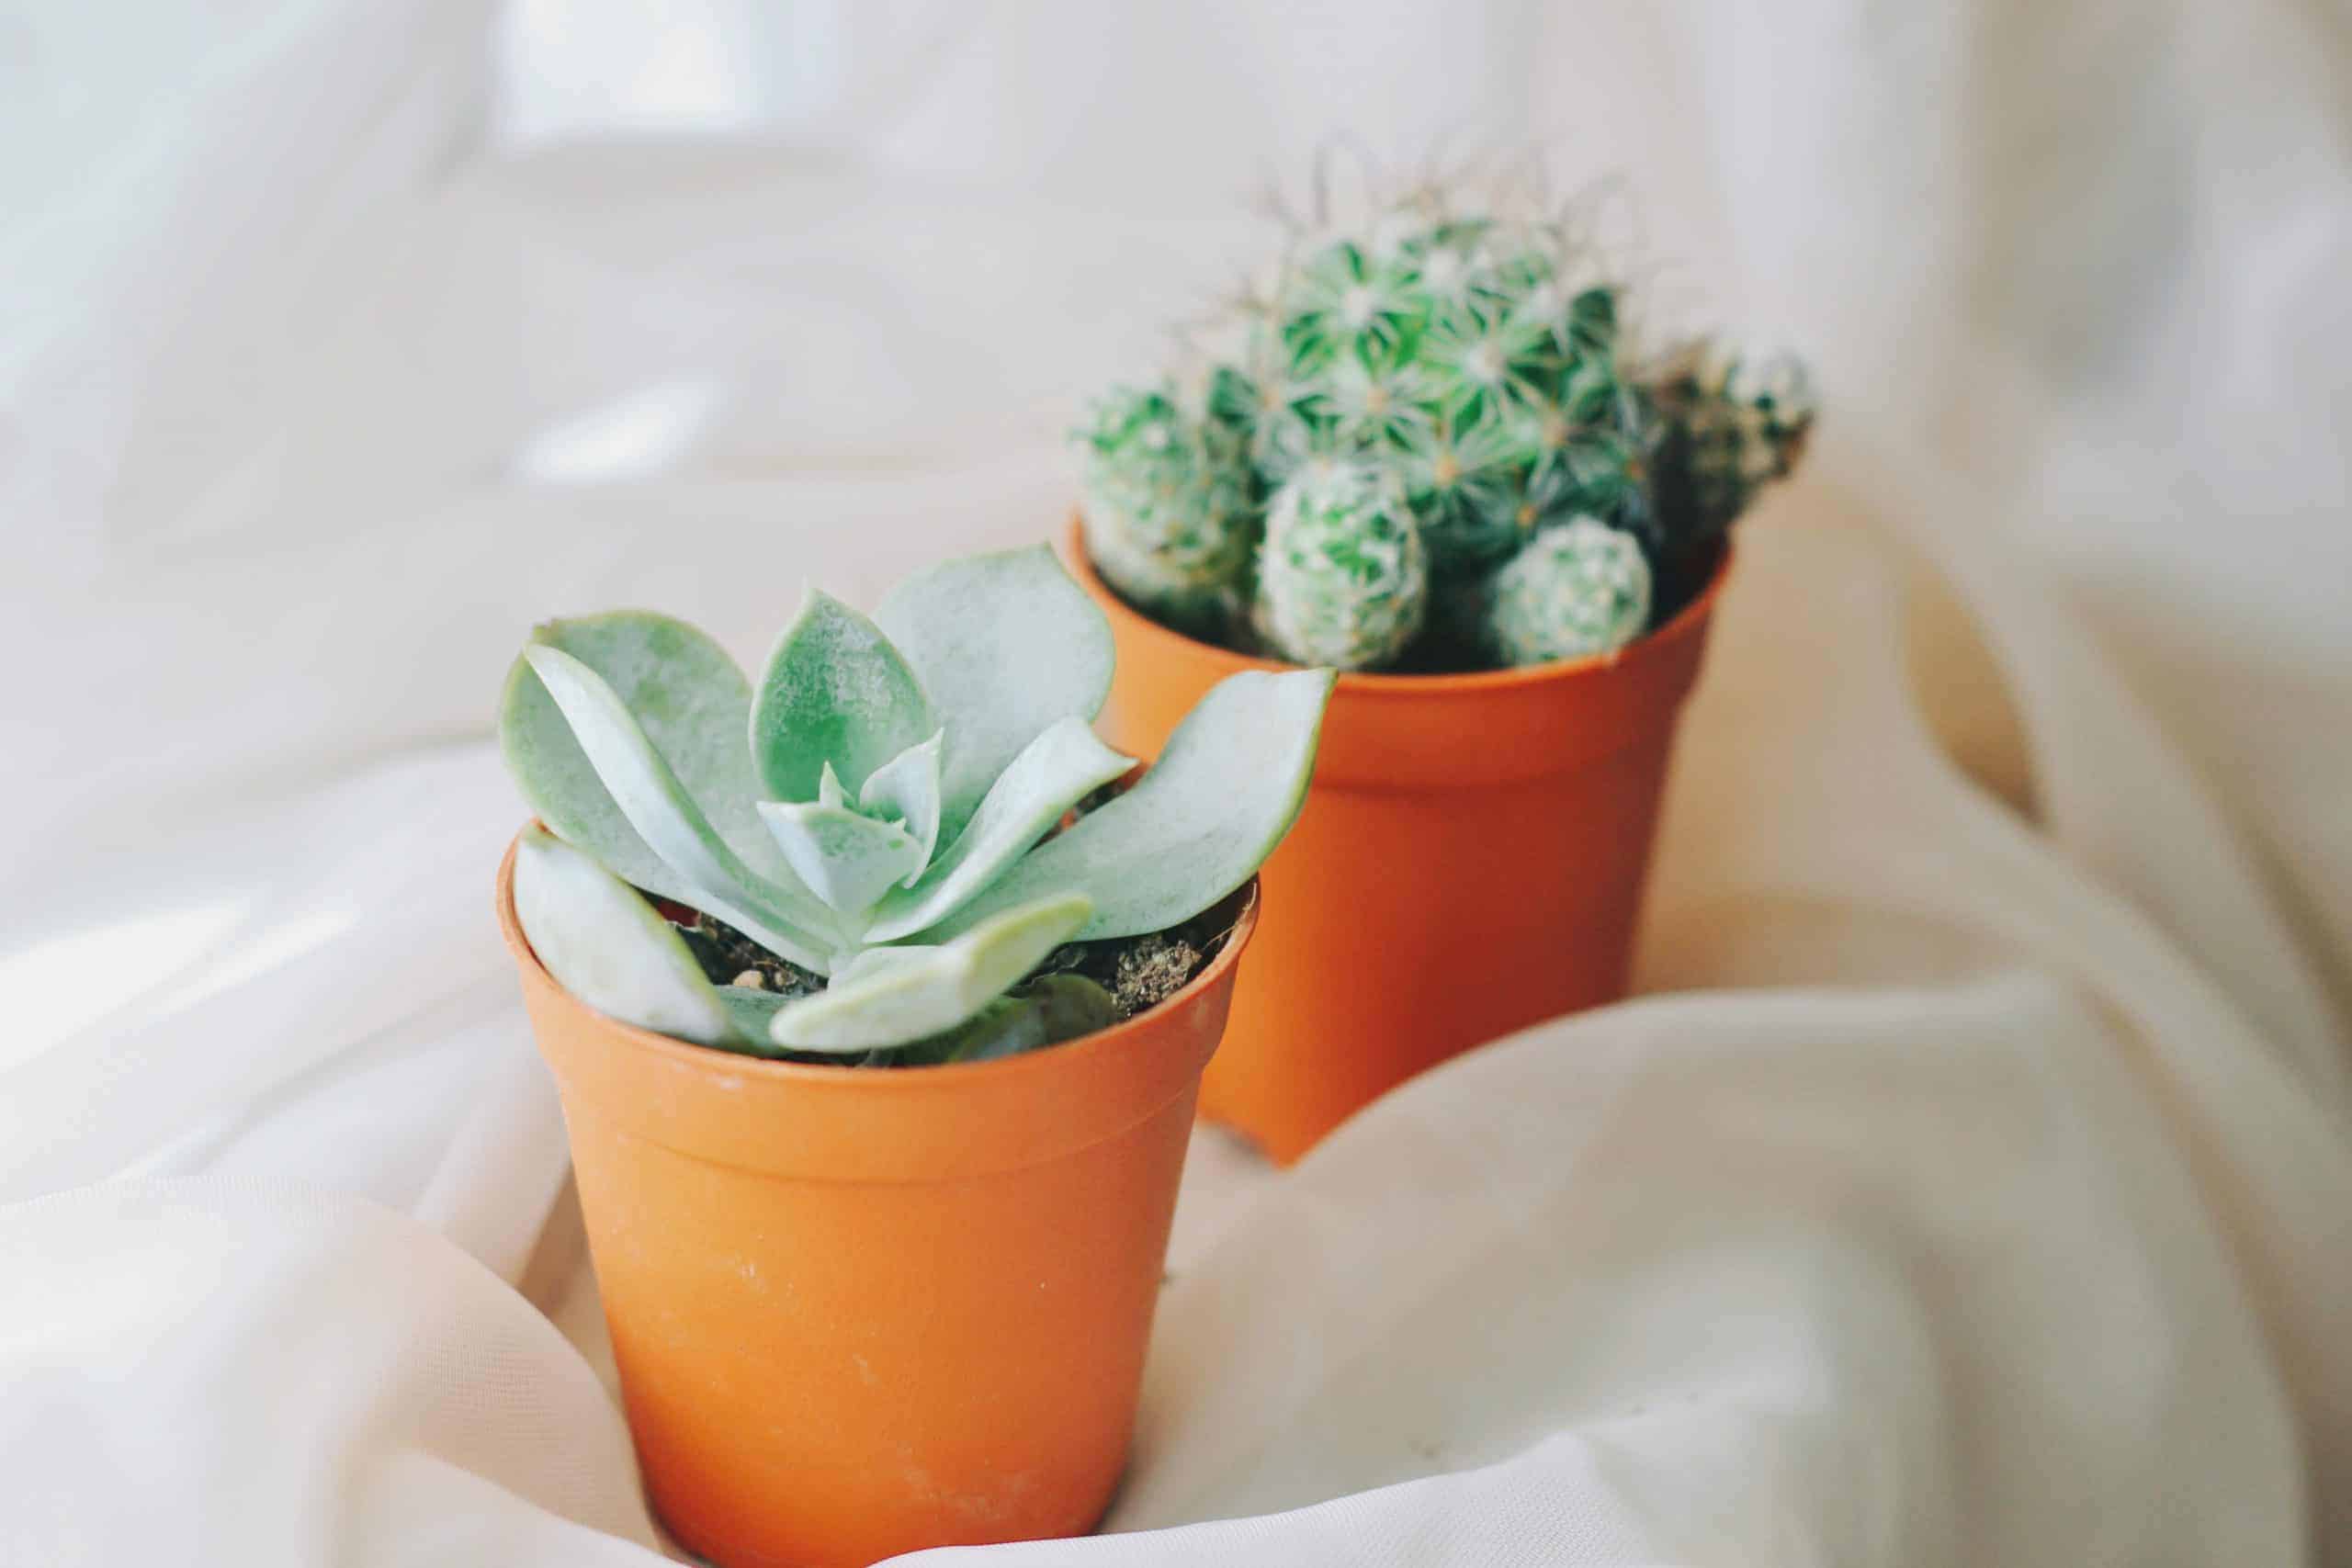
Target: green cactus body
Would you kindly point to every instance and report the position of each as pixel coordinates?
(1479, 373)
(1734, 426)
(1165, 497)
(1343, 579)
(1580, 589)
(1451, 354)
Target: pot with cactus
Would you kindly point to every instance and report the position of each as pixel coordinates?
(1434, 452)
(878, 1013)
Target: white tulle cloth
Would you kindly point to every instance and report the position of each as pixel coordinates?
(1971, 1185)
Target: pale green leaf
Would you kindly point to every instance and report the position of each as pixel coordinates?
(751, 1012)
(640, 784)
(846, 859)
(835, 690)
(1056, 771)
(1046, 1012)
(692, 702)
(1196, 827)
(608, 947)
(1005, 644)
(874, 960)
(907, 786)
(911, 999)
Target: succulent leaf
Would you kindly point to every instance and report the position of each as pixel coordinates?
(835, 691)
(1046, 1012)
(906, 787)
(1056, 771)
(667, 819)
(891, 1004)
(1005, 644)
(847, 859)
(692, 702)
(1197, 826)
(608, 947)
(751, 1011)
(874, 960)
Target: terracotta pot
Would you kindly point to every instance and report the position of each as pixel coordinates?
(1470, 859)
(858, 1311)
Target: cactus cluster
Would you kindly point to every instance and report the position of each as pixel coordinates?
(1432, 444)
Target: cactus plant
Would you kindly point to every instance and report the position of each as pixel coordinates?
(881, 811)
(1732, 426)
(1167, 503)
(1574, 591)
(1480, 368)
(1343, 580)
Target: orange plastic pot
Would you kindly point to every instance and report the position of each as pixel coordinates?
(859, 1312)
(1470, 859)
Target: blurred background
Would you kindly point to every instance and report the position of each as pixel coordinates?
(344, 339)
(341, 340)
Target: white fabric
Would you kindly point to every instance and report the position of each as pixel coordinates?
(1981, 1192)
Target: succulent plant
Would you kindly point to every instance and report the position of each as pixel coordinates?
(881, 811)
(1342, 578)
(1578, 590)
(1483, 366)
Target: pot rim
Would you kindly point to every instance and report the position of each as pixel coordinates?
(1685, 623)
(856, 1082)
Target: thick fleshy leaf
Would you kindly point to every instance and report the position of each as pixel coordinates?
(907, 786)
(1047, 1011)
(835, 690)
(1005, 644)
(1198, 824)
(1052, 774)
(894, 1003)
(846, 859)
(751, 1012)
(874, 960)
(668, 821)
(610, 948)
(692, 702)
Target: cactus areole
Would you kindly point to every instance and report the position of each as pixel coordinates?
(884, 808)
(1404, 449)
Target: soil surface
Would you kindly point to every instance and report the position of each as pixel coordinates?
(730, 958)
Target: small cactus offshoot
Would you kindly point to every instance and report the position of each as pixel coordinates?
(1734, 426)
(1476, 375)
(1578, 590)
(1166, 504)
(1343, 580)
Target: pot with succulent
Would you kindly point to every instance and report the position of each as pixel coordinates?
(879, 1016)
(1432, 453)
